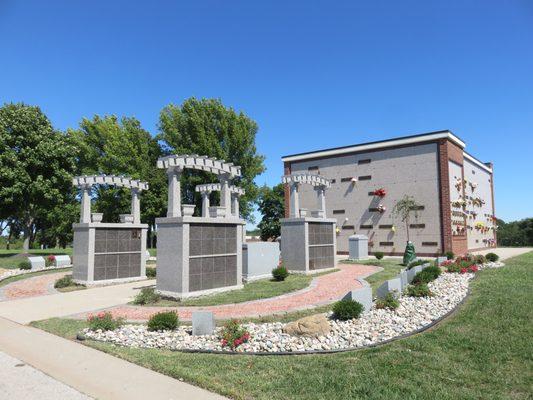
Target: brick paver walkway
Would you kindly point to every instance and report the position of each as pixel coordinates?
(324, 289)
(31, 287)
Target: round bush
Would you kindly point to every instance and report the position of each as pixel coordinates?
(280, 273)
(347, 309)
(427, 275)
(379, 255)
(163, 321)
(449, 255)
(492, 257)
(146, 296)
(64, 282)
(24, 265)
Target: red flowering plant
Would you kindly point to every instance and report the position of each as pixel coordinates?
(104, 321)
(233, 335)
(381, 192)
(463, 264)
(50, 260)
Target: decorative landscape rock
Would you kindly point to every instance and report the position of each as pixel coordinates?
(203, 323)
(37, 262)
(363, 296)
(315, 325)
(63, 261)
(392, 285)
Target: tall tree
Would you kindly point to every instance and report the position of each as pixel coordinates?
(36, 165)
(121, 147)
(207, 127)
(271, 205)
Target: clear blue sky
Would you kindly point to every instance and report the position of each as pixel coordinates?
(312, 74)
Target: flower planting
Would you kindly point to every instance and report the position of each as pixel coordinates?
(381, 192)
(233, 335)
(104, 321)
(50, 260)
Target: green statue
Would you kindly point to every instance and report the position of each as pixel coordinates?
(409, 255)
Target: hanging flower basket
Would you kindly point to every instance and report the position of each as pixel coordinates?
(382, 208)
(381, 192)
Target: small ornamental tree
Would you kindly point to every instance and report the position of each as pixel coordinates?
(403, 210)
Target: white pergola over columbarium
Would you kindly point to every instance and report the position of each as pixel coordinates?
(207, 188)
(86, 182)
(320, 185)
(175, 165)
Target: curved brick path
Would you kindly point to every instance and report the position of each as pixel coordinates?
(31, 287)
(323, 290)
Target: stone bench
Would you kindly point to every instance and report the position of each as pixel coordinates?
(37, 262)
(63, 261)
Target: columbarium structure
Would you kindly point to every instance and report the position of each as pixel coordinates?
(200, 255)
(109, 252)
(308, 239)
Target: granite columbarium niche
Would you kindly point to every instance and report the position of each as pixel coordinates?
(198, 255)
(109, 252)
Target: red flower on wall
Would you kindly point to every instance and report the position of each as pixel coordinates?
(381, 192)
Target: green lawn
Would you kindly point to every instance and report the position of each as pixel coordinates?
(484, 351)
(391, 268)
(16, 278)
(261, 289)
(10, 259)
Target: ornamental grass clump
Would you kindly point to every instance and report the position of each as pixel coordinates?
(390, 301)
(419, 290)
(233, 334)
(146, 296)
(427, 275)
(347, 309)
(280, 273)
(163, 321)
(104, 321)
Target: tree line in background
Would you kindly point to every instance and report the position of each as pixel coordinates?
(37, 162)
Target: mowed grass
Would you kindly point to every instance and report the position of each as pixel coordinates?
(261, 289)
(10, 259)
(484, 351)
(17, 278)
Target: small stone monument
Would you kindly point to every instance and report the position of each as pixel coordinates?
(358, 246)
(37, 262)
(203, 323)
(63, 261)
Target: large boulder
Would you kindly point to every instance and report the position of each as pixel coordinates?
(315, 325)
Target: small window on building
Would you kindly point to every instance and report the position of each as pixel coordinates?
(385, 226)
(366, 226)
(417, 226)
(418, 208)
(348, 227)
(365, 177)
(314, 169)
(346, 179)
(333, 180)
(365, 161)
(373, 209)
(371, 193)
(338, 211)
(473, 172)
(429, 244)
(386, 243)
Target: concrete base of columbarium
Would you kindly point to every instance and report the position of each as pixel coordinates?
(106, 253)
(308, 244)
(197, 256)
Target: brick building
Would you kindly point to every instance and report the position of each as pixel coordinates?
(454, 189)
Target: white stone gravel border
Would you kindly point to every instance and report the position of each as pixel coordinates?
(378, 326)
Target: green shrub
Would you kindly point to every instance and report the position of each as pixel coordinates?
(104, 321)
(379, 255)
(492, 257)
(427, 275)
(151, 272)
(280, 273)
(390, 301)
(146, 296)
(64, 282)
(233, 334)
(163, 321)
(415, 263)
(449, 255)
(480, 259)
(25, 265)
(420, 290)
(347, 309)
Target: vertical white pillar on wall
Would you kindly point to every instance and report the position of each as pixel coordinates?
(85, 216)
(225, 195)
(205, 204)
(174, 193)
(135, 206)
(295, 201)
(321, 198)
(235, 204)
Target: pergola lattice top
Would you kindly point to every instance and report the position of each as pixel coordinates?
(309, 179)
(119, 181)
(202, 163)
(217, 187)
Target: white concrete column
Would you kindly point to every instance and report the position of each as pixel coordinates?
(295, 201)
(174, 193)
(85, 216)
(205, 204)
(321, 198)
(135, 206)
(235, 204)
(225, 195)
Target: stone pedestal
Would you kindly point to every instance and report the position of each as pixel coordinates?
(308, 244)
(109, 252)
(358, 247)
(198, 256)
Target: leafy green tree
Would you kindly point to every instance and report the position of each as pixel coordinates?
(207, 127)
(515, 233)
(403, 209)
(271, 205)
(121, 147)
(36, 166)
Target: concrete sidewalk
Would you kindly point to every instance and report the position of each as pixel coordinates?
(90, 371)
(506, 252)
